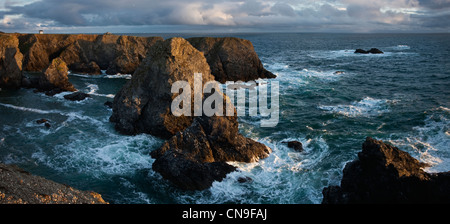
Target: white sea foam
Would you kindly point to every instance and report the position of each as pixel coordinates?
(26, 109)
(367, 107)
(118, 76)
(282, 177)
(102, 76)
(110, 155)
(430, 143)
(93, 88)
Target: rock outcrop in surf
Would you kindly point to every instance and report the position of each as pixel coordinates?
(384, 174)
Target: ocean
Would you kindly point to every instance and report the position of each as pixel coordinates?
(330, 100)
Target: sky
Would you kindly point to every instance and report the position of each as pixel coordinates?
(151, 16)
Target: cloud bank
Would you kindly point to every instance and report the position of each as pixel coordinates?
(281, 15)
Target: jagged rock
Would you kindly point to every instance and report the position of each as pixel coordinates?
(143, 105)
(196, 157)
(55, 78)
(231, 59)
(384, 174)
(10, 62)
(20, 187)
(76, 96)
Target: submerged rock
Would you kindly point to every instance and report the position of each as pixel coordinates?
(10, 62)
(231, 59)
(143, 105)
(20, 187)
(384, 174)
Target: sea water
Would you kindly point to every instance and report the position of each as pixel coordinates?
(330, 100)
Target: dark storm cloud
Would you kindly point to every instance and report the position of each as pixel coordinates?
(349, 15)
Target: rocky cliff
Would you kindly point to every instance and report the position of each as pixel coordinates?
(384, 174)
(231, 59)
(116, 54)
(10, 61)
(20, 187)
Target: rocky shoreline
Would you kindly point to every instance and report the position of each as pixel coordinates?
(196, 148)
(20, 187)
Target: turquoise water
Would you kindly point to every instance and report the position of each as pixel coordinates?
(402, 97)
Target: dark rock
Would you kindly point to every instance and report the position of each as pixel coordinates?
(47, 125)
(41, 121)
(10, 62)
(371, 51)
(76, 96)
(56, 77)
(231, 59)
(143, 105)
(384, 174)
(20, 187)
(298, 146)
(208, 140)
(244, 180)
(361, 51)
(108, 104)
(375, 51)
(189, 174)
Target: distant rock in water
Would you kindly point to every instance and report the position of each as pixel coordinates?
(371, 51)
(55, 78)
(231, 59)
(10, 62)
(384, 174)
(76, 96)
(20, 187)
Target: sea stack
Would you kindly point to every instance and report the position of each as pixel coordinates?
(143, 105)
(55, 78)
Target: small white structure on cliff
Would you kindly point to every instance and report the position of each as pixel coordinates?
(41, 32)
